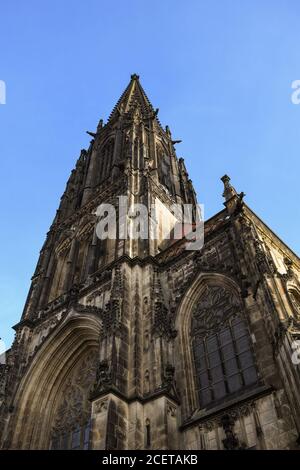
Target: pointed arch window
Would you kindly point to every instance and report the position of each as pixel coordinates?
(295, 299)
(165, 169)
(106, 159)
(222, 347)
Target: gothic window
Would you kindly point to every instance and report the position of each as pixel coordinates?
(80, 267)
(106, 159)
(71, 424)
(165, 170)
(75, 439)
(222, 349)
(295, 299)
(57, 286)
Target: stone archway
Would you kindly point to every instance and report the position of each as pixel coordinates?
(39, 394)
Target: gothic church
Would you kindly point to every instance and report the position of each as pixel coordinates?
(141, 343)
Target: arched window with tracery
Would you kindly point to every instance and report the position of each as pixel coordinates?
(222, 346)
(295, 299)
(72, 416)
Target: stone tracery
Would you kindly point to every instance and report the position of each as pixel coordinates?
(72, 415)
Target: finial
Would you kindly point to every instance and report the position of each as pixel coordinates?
(134, 76)
(233, 200)
(100, 125)
(168, 132)
(229, 190)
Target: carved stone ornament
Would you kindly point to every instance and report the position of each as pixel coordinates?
(291, 326)
(103, 379)
(231, 441)
(101, 406)
(163, 321)
(112, 312)
(289, 275)
(80, 308)
(233, 414)
(168, 380)
(171, 409)
(263, 259)
(3, 374)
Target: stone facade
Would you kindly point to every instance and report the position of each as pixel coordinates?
(142, 344)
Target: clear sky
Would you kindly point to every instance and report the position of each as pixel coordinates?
(220, 71)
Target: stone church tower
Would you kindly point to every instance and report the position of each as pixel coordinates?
(141, 343)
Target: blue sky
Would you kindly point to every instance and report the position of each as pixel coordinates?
(220, 72)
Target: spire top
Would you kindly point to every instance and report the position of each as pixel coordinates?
(133, 96)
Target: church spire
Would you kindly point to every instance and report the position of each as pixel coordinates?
(133, 156)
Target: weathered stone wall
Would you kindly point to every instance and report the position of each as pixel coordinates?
(258, 426)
